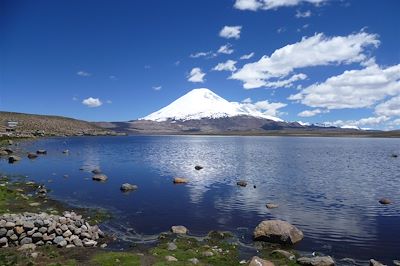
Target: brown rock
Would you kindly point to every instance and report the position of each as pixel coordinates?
(180, 180)
(316, 261)
(100, 177)
(385, 201)
(277, 231)
(256, 261)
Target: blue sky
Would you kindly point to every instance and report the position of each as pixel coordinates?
(312, 60)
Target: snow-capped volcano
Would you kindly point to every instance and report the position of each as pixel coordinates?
(203, 103)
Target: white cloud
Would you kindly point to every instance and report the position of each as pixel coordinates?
(247, 100)
(390, 107)
(247, 56)
(157, 88)
(354, 89)
(255, 5)
(83, 73)
(368, 121)
(92, 102)
(317, 50)
(230, 32)
(264, 107)
(196, 75)
(229, 65)
(304, 14)
(225, 49)
(200, 54)
(285, 83)
(310, 113)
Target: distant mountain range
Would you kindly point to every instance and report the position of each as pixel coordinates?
(201, 111)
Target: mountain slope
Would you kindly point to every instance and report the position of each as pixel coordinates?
(203, 103)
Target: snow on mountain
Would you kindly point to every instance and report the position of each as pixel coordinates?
(203, 103)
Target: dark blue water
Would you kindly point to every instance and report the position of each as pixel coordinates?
(328, 187)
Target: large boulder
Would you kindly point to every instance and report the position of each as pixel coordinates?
(256, 261)
(180, 180)
(316, 261)
(179, 229)
(277, 231)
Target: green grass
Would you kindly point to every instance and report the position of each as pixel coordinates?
(116, 258)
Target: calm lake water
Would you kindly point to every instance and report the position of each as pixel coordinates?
(328, 187)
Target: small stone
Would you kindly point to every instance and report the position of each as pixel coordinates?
(3, 241)
(241, 183)
(9, 225)
(67, 233)
(59, 231)
(89, 243)
(207, 254)
(34, 204)
(77, 242)
(28, 246)
(373, 262)
(171, 246)
(58, 239)
(34, 255)
(284, 253)
(64, 227)
(198, 167)
(194, 261)
(10, 233)
(28, 226)
(85, 235)
(385, 201)
(13, 159)
(170, 258)
(43, 230)
(316, 261)
(14, 237)
(41, 152)
(19, 230)
(39, 243)
(37, 236)
(179, 229)
(65, 151)
(256, 261)
(49, 237)
(180, 180)
(103, 245)
(271, 206)
(100, 177)
(3, 232)
(70, 246)
(128, 187)
(396, 262)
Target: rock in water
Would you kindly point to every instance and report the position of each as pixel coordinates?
(241, 183)
(128, 187)
(41, 152)
(32, 155)
(198, 167)
(256, 261)
(13, 159)
(100, 177)
(180, 180)
(65, 151)
(316, 261)
(277, 231)
(373, 262)
(271, 206)
(385, 201)
(179, 229)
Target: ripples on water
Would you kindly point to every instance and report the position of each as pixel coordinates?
(328, 187)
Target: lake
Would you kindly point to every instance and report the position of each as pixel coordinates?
(328, 187)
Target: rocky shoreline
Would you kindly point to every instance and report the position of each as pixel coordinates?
(22, 233)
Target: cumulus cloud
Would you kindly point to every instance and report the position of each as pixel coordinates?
(368, 121)
(264, 107)
(83, 73)
(229, 32)
(390, 107)
(304, 14)
(255, 5)
(317, 50)
(225, 49)
(247, 56)
(196, 75)
(229, 65)
(310, 113)
(247, 100)
(355, 89)
(92, 102)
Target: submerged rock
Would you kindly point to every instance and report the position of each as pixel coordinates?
(179, 229)
(128, 187)
(316, 261)
(180, 180)
(241, 183)
(13, 159)
(277, 231)
(41, 152)
(198, 167)
(65, 151)
(32, 155)
(100, 177)
(256, 261)
(385, 201)
(96, 171)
